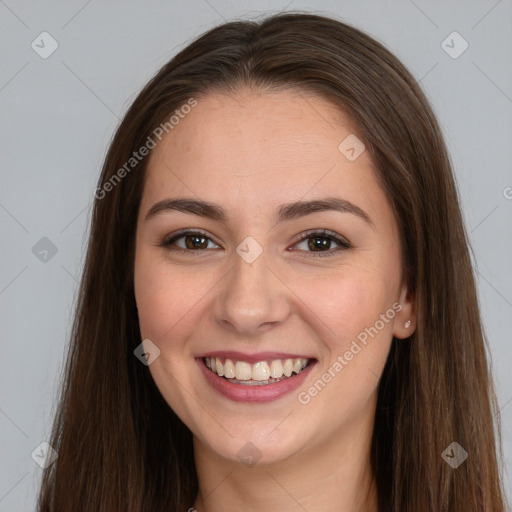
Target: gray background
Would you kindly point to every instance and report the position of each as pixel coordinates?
(59, 113)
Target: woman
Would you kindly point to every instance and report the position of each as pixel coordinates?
(278, 309)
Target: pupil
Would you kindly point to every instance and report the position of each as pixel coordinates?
(194, 238)
(319, 243)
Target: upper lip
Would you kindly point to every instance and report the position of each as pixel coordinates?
(254, 357)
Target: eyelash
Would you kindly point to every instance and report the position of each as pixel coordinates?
(322, 233)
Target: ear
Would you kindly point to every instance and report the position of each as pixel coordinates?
(407, 314)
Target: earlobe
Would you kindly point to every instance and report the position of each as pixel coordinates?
(405, 322)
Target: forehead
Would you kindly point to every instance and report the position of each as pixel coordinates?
(265, 146)
(291, 121)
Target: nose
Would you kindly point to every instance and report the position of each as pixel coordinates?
(252, 298)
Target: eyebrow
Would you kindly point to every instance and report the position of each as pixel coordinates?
(286, 212)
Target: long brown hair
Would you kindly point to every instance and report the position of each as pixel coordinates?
(122, 448)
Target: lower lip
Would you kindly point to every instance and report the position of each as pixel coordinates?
(255, 393)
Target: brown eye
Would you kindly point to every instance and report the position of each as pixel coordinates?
(188, 241)
(195, 241)
(321, 242)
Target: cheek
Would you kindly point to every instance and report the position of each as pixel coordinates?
(347, 301)
(356, 338)
(172, 299)
(163, 297)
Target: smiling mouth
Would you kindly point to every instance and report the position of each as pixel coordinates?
(258, 374)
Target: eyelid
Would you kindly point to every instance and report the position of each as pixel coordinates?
(310, 233)
(343, 243)
(168, 240)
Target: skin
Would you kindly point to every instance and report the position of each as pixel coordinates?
(250, 152)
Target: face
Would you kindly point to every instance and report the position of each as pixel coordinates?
(262, 284)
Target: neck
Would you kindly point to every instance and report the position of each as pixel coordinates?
(335, 475)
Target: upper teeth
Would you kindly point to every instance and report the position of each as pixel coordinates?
(262, 370)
